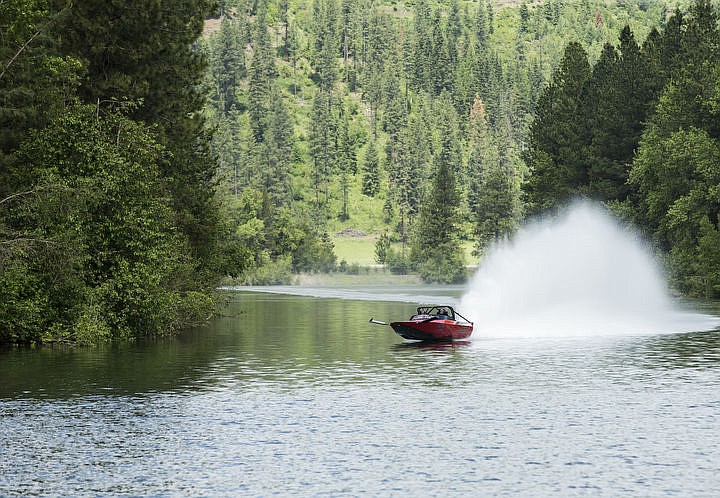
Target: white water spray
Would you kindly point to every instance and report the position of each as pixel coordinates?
(581, 274)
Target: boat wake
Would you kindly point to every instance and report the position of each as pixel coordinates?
(578, 275)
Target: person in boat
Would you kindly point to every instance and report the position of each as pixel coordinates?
(443, 314)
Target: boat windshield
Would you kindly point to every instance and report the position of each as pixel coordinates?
(443, 312)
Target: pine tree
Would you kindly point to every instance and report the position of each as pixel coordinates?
(323, 132)
(327, 42)
(436, 247)
(481, 27)
(277, 147)
(36, 79)
(229, 67)
(262, 73)
(618, 100)
(283, 8)
(675, 173)
(345, 159)
(524, 18)
(555, 157)
(422, 50)
(371, 171)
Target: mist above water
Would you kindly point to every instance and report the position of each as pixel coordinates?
(579, 274)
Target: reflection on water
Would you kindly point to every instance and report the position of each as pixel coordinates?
(684, 351)
(300, 395)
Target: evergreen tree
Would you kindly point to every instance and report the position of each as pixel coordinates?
(381, 61)
(231, 146)
(422, 50)
(323, 145)
(261, 75)
(617, 103)
(524, 17)
(490, 18)
(327, 42)
(161, 77)
(555, 157)
(277, 153)
(436, 247)
(283, 7)
(676, 172)
(345, 159)
(482, 33)
(36, 79)
(229, 66)
(371, 171)
(493, 196)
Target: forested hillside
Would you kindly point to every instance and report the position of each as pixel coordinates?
(435, 125)
(639, 129)
(148, 149)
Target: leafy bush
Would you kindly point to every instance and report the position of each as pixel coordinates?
(397, 262)
(443, 267)
(276, 272)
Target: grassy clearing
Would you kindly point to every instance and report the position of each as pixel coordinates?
(356, 250)
(361, 250)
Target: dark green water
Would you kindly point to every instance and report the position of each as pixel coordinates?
(299, 395)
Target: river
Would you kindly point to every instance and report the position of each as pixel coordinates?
(298, 395)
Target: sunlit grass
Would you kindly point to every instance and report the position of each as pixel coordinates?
(355, 250)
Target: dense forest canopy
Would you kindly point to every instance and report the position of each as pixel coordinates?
(151, 148)
(443, 124)
(109, 225)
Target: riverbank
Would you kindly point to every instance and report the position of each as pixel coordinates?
(366, 276)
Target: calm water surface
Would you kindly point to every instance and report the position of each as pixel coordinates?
(299, 395)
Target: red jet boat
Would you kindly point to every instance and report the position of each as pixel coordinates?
(432, 323)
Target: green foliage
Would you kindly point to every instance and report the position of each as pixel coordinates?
(642, 133)
(399, 82)
(275, 272)
(436, 247)
(445, 265)
(497, 207)
(112, 228)
(322, 142)
(120, 219)
(371, 171)
(555, 156)
(228, 66)
(382, 246)
(36, 78)
(705, 279)
(107, 226)
(262, 74)
(314, 253)
(397, 262)
(678, 181)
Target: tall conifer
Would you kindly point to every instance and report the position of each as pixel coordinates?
(555, 156)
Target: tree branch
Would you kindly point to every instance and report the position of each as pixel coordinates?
(26, 239)
(19, 194)
(17, 54)
(29, 41)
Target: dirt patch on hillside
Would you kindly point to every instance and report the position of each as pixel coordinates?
(351, 232)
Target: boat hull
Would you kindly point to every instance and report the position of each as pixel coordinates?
(433, 330)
